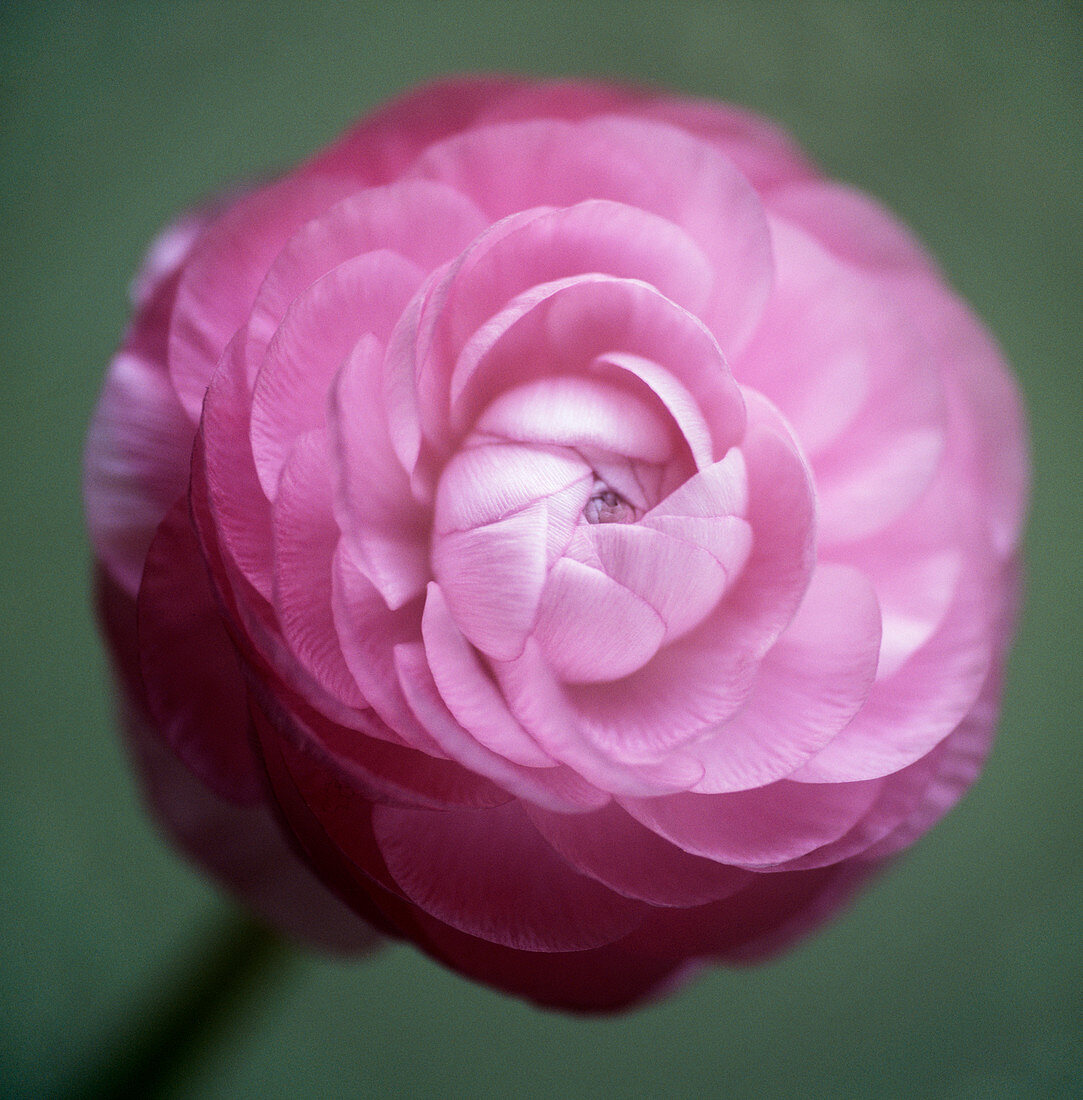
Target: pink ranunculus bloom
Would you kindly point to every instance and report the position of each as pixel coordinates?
(556, 526)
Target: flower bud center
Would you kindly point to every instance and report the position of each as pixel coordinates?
(606, 505)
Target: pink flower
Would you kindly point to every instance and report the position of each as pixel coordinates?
(560, 527)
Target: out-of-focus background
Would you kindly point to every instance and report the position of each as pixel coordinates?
(958, 975)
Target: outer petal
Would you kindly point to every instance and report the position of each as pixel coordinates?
(811, 684)
(757, 828)
(615, 849)
(912, 711)
(866, 401)
(466, 870)
(195, 692)
(225, 270)
(136, 464)
(137, 450)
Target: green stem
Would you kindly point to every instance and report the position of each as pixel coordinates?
(202, 996)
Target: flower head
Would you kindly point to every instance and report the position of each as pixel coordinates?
(558, 526)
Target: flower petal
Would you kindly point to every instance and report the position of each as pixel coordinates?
(468, 873)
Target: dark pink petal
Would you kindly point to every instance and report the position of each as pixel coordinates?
(757, 828)
(557, 788)
(363, 296)
(425, 223)
(220, 280)
(756, 922)
(465, 868)
(305, 539)
(195, 692)
(241, 513)
(359, 767)
(386, 530)
(615, 849)
(244, 849)
(810, 685)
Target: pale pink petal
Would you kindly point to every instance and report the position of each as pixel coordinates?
(382, 144)
(909, 713)
(987, 434)
(656, 168)
(615, 849)
(565, 326)
(492, 579)
(951, 768)
(720, 489)
(544, 245)
(368, 630)
(363, 296)
(558, 788)
(757, 828)
(135, 464)
(681, 581)
(702, 678)
(540, 703)
(386, 530)
(809, 686)
(492, 481)
(766, 156)
(866, 403)
(678, 401)
(469, 692)
(467, 872)
(591, 627)
(852, 226)
(580, 412)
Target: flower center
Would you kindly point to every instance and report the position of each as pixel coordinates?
(606, 505)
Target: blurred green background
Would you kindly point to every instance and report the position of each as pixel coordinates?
(958, 975)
